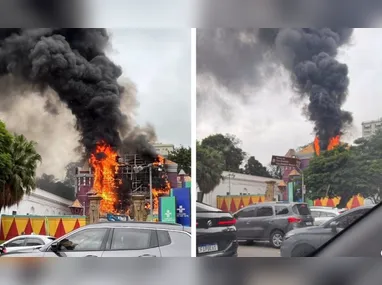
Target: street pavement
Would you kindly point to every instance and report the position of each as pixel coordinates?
(257, 250)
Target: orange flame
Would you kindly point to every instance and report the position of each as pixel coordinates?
(159, 192)
(333, 143)
(104, 164)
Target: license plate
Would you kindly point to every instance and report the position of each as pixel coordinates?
(308, 223)
(208, 248)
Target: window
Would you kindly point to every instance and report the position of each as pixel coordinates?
(346, 220)
(281, 210)
(327, 214)
(180, 240)
(247, 213)
(34, 242)
(316, 214)
(85, 240)
(301, 209)
(264, 212)
(133, 239)
(16, 242)
(164, 238)
(200, 207)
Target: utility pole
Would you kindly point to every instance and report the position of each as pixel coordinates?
(151, 191)
(229, 176)
(302, 184)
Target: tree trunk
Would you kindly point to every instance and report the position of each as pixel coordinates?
(200, 196)
(345, 198)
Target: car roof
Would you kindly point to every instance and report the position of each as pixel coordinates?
(274, 204)
(134, 224)
(33, 236)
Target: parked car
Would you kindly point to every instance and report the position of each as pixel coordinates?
(271, 221)
(215, 232)
(118, 239)
(25, 242)
(302, 242)
(323, 214)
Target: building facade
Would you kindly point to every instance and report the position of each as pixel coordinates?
(40, 203)
(163, 149)
(370, 127)
(240, 184)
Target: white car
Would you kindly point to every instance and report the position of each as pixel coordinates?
(25, 242)
(323, 214)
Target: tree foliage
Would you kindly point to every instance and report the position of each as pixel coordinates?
(254, 167)
(275, 171)
(53, 185)
(209, 167)
(229, 146)
(19, 176)
(347, 171)
(182, 156)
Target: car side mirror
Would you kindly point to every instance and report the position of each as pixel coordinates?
(235, 216)
(55, 247)
(333, 226)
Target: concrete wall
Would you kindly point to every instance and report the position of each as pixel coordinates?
(241, 183)
(40, 202)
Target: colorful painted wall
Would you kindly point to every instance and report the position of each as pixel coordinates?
(234, 203)
(354, 202)
(57, 226)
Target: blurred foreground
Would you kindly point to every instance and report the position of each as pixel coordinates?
(191, 271)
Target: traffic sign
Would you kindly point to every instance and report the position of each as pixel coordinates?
(285, 161)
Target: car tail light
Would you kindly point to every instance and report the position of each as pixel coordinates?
(227, 223)
(293, 220)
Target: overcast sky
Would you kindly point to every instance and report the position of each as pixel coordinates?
(158, 61)
(270, 123)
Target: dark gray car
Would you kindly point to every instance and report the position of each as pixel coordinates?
(302, 242)
(271, 221)
(118, 239)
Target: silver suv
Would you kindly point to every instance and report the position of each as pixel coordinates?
(118, 239)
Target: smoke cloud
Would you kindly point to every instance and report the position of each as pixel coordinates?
(242, 58)
(79, 102)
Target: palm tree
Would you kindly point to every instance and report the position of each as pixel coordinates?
(209, 168)
(22, 177)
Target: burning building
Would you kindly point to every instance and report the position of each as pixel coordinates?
(118, 177)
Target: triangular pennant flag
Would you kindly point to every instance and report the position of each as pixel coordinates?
(224, 207)
(42, 230)
(28, 228)
(260, 200)
(232, 207)
(2, 236)
(13, 231)
(76, 225)
(241, 204)
(317, 202)
(330, 203)
(355, 203)
(60, 231)
(250, 201)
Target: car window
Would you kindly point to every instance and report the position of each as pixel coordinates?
(34, 242)
(16, 242)
(315, 214)
(264, 212)
(301, 209)
(346, 220)
(133, 239)
(163, 238)
(247, 213)
(328, 214)
(85, 240)
(281, 210)
(180, 240)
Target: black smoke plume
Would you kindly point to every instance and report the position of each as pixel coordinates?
(73, 63)
(240, 57)
(309, 54)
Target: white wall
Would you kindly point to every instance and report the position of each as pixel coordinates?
(40, 202)
(241, 183)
